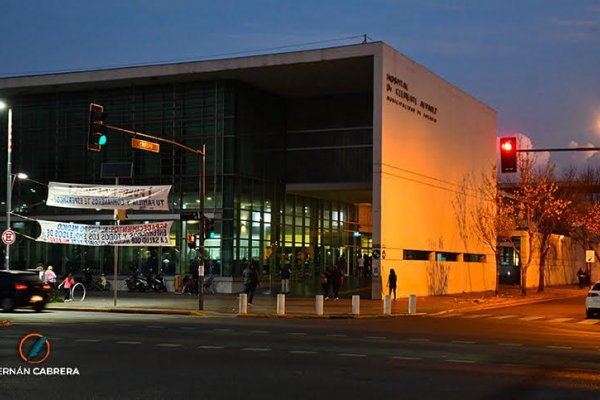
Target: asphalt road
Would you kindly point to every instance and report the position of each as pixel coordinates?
(541, 351)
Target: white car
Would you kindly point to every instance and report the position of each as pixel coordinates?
(592, 301)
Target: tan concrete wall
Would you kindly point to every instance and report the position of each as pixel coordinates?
(432, 136)
(564, 259)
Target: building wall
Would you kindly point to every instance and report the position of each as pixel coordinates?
(564, 259)
(430, 137)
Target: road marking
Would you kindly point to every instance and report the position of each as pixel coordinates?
(504, 317)
(461, 361)
(559, 347)
(169, 345)
(376, 337)
(256, 349)
(155, 327)
(187, 327)
(532, 318)
(297, 333)
(259, 331)
(351, 355)
(88, 340)
(476, 316)
(589, 321)
(510, 344)
(419, 340)
(302, 352)
(210, 347)
(560, 319)
(337, 335)
(464, 341)
(223, 330)
(124, 325)
(405, 358)
(128, 342)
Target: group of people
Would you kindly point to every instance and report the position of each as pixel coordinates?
(332, 279)
(49, 276)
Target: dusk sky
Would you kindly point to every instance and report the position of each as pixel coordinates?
(536, 62)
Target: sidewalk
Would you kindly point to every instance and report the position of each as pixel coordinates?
(304, 307)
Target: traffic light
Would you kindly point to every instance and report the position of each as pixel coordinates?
(508, 154)
(191, 241)
(210, 229)
(96, 127)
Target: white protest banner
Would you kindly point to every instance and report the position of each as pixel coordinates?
(108, 197)
(153, 234)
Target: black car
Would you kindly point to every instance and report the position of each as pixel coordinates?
(22, 289)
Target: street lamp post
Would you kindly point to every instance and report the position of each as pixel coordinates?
(9, 180)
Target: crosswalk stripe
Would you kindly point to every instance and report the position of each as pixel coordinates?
(504, 316)
(473, 316)
(589, 321)
(560, 320)
(532, 318)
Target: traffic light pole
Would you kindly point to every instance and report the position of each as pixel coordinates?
(201, 227)
(201, 194)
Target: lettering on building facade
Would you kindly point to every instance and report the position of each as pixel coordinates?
(397, 92)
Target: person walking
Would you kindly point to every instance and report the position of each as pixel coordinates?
(286, 273)
(67, 284)
(336, 280)
(391, 283)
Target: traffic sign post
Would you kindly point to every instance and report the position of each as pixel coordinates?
(8, 237)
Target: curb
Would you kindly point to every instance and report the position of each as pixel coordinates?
(169, 311)
(330, 316)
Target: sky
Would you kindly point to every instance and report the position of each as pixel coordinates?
(536, 62)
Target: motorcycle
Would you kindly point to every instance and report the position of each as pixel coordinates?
(138, 282)
(156, 282)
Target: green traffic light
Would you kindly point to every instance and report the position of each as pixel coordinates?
(102, 140)
(211, 235)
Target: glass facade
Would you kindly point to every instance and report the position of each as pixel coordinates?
(256, 142)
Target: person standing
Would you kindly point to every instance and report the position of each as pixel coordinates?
(391, 283)
(67, 284)
(336, 280)
(250, 282)
(325, 283)
(361, 265)
(50, 276)
(286, 273)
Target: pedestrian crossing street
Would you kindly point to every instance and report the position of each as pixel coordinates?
(530, 318)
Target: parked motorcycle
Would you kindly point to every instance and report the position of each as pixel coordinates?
(156, 282)
(138, 282)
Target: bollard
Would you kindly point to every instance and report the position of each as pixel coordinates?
(319, 304)
(281, 304)
(387, 305)
(355, 304)
(243, 303)
(412, 303)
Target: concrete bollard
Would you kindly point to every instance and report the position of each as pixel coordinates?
(355, 304)
(319, 304)
(281, 304)
(387, 305)
(412, 303)
(243, 303)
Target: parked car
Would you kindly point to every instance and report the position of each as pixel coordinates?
(22, 289)
(592, 301)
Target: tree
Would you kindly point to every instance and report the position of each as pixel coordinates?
(489, 214)
(536, 207)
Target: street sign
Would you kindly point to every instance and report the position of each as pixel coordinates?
(8, 237)
(145, 145)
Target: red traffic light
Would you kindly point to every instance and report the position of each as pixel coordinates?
(508, 154)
